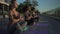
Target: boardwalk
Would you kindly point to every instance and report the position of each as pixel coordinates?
(45, 26)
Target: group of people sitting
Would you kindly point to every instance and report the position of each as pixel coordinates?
(17, 22)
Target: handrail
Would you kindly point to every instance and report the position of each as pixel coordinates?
(4, 3)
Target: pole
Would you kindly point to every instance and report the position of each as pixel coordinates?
(8, 14)
(3, 12)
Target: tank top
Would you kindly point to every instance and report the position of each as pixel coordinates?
(14, 16)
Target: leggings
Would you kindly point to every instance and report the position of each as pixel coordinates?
(30, 22)
(12, 28)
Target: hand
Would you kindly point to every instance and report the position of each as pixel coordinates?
(21, 18)
(34, 23)
(29, 17)
(15, 20)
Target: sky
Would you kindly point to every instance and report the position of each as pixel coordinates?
(45, 5)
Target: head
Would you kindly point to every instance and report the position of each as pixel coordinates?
(33, 9)
(13, 4)
(16, 5)
(28, 8)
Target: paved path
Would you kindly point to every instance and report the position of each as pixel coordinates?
(45, 26)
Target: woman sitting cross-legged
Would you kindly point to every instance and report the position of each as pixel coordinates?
(14, 18)
(28, 16)
(35, 14)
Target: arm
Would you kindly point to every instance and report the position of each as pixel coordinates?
(34, 15)
(29, 17)
(11, 16)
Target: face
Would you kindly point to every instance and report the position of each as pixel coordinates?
(16, 5)
(29, 8)
(22, 18)
(34, 13)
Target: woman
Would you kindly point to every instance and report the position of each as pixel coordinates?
(28, 16)
(35, 14)
(14, 17)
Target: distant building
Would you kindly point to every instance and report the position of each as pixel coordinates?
(54, 12)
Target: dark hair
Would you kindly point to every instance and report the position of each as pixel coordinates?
(26, 7)
(12, 2)
(32, 8)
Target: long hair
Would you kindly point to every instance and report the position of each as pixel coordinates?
(11, 4)
(26, 8)
(33, 8)
(10, 8)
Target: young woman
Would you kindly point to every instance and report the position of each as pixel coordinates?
(28, 16)
(14, 17)
(35, 14)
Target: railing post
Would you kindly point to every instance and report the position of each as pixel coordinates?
(3, 12)
(8, 13)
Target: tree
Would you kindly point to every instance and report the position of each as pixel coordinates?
(19, 9)
(38, 12)
(22, 6)
(27, 2)
(58, 12)
(34, 3)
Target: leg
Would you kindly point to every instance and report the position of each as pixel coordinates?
(12, 29)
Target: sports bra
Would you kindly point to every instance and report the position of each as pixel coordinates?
(16, 17)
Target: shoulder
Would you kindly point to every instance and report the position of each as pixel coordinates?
(17, 12)
(11, 12)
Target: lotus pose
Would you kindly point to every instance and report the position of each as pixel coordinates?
(14, 18)
(28, 16)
